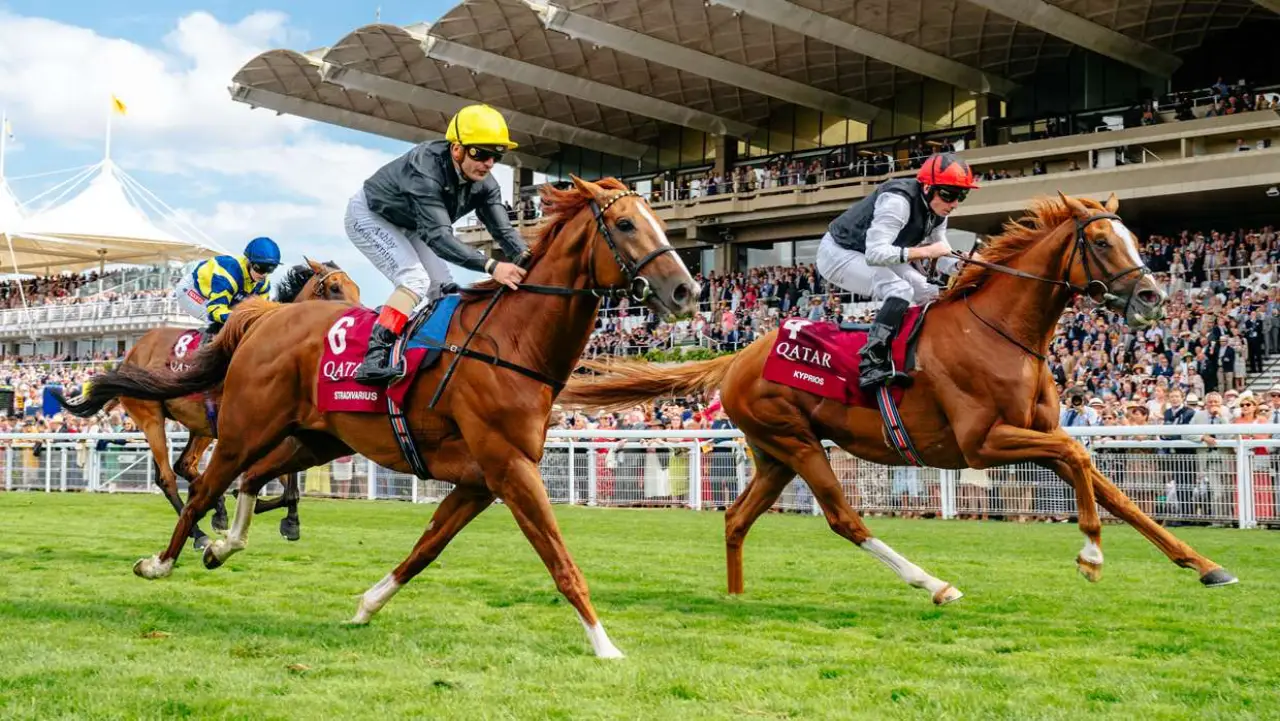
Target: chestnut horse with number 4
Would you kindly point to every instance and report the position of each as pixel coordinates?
(312, 281)
(486, 433)
(984, 396)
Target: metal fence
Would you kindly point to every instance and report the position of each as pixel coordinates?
(1232, 483)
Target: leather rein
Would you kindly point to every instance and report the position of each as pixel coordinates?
(1094, 287)
(637, 287)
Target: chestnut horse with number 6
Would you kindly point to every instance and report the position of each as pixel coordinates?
(983, 397)
(486, 433)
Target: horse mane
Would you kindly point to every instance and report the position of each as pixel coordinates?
(294, 280)
(1045, 214)
(565, 205)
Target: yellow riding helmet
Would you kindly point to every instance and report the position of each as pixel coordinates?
(479, 125)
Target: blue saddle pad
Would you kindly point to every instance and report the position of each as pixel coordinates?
(430, 333)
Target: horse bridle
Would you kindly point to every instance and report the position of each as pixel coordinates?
(1080, 245)
(320, 279)
(637, 286)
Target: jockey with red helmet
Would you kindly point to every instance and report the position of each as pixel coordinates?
(868, 250)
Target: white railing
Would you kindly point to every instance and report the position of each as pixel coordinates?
(1232, 483)
(75, 314)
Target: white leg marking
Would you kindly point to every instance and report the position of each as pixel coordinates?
(153, 567)
(1091, 552)
(238, 537)
(906, 570)
(600, 642)
(375, 598)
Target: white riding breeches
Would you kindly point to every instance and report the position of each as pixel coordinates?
(404, 262)
(849, 270)
(189, 298)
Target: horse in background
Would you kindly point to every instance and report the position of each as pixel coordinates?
(304, 282)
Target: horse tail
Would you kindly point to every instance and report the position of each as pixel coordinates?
(207, 369)
(622, 384)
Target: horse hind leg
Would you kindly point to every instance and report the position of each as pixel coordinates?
(458, 509)
(230, 456)
(812, 464)
(189, 468)
(771, 477)
(285, 458)
(149, 415)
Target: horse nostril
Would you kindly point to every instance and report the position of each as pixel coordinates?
(681, 294)
(1149, 297)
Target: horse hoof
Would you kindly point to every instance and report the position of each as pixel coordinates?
(1090, 570)
(201, 543)
(1218, 577)
(290, 531)
(211, 560)
(220, 522)
(947, 594)
(152, 568)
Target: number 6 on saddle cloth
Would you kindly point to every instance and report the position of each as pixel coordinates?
(421, 347)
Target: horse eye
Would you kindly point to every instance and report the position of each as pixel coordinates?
(625, 225)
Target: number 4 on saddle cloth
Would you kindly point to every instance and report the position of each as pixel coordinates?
(822, 358)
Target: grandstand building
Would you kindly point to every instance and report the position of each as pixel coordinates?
(751, 124)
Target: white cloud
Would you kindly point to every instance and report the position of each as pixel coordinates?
(242, 172)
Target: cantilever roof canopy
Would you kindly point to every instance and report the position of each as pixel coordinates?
(588, 73)
(104, 223)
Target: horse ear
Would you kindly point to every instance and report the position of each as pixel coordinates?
(1076, 207)
(315, 267)
(586, 187)
(1112, 204)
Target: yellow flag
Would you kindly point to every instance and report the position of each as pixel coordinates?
(118, 105)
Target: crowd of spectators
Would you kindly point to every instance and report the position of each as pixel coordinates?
(79, 288)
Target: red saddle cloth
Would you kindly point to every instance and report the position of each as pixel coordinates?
(183, 349)
(344, 349)
(820, 358)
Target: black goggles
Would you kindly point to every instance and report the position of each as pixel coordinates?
(952, 195)
(262, 268)
(483, 155)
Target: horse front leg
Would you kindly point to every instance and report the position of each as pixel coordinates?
(1064, 456)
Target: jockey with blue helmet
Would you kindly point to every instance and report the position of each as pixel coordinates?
(211, 288)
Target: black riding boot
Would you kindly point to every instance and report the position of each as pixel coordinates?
(376, 370)
(876, 367)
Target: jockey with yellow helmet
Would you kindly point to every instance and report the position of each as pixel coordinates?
(868, 250)
(209, 289)
(402, 220)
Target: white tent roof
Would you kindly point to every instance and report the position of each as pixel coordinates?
(101, 224)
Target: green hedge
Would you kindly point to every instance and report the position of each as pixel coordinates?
(677, 355)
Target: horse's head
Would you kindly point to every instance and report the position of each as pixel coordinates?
(1105, 261)
(317, 281)
(630, 249)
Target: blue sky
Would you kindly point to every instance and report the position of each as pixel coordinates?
(234, 172)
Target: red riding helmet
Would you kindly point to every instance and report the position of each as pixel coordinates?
(946, 169)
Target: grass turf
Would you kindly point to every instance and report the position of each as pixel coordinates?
(824, 630)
